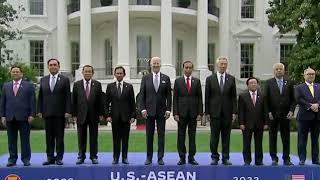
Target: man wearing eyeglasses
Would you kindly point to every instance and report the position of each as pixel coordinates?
(307, 95)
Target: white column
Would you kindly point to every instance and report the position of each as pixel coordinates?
(62, 36)
(85, 32)
(224, 28)
(123, 36)
(166, 38)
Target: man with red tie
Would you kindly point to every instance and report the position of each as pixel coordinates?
(187, 110)
(17, 110)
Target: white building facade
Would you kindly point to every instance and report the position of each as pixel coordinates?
(107, 33)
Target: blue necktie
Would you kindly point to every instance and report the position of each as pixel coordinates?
(280, 85)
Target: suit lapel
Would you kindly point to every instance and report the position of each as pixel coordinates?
(308, 90)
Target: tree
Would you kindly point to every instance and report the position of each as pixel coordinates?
(303, 18)
(7, 16)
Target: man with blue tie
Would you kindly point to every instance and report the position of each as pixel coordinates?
(307, 96)
(17, 111)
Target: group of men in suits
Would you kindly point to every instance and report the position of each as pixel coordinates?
(257, 110)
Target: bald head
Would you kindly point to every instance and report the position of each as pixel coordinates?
(155, 64)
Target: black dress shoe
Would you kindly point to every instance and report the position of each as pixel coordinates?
(181, 162)
(80, 161)
(59, 162)
(48, 162)
(316, 163)
(115, 161)
(26, 163)
(193, 162)
(148, 162)
(10, 164)
(288, 163)
(259, 164)
(94, 161)
(226, 162)
(301, 163)
(274, 163)
(125, 161)
(214, 162)
(161, 162)
(246, 164)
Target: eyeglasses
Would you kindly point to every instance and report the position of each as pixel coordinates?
(310, 74)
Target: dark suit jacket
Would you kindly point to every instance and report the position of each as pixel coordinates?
(304, 98)
(183, 102)
(56, 103)
(21, 106)
(217, 102)
(152, 101)
(252, 116)
(122, 107)
(82, 106)
(280, 104)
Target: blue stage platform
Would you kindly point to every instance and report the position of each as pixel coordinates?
(137, 171)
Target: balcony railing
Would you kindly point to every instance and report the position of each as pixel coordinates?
(103, 3)
(192, 5)
(214, 10)
(145, 2)
(73, 6)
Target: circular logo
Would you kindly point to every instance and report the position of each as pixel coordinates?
(12, 177)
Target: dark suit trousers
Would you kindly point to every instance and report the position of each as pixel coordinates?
(12, 131)
(247, 135)
(120, 135)
(303, 128)
(93, 139)
(150, 127)
(220, 125)
(284, 124)
(54, 127)
(183, 123)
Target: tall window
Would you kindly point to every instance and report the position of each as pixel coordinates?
(211, 56)
(247, 8)
(36, 7)
(108, 56)
(75, 57)
(143, 54)
(246, 60)
(179, 57)
(285, 49)
(36, 57)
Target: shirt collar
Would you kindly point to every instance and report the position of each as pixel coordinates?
(155, 73)
(85, 81)
(19, 82)
(121, 82)
(279, 79)
(219, 74)
(253, 92)
(185, 77)
(56, 76)
(309, 83)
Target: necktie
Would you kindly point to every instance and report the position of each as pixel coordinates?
(87, 89)
(311, 89)
(280, 85)
(156, 82)
(253, 98)
(119, 89)
(188, 85)
(15, 88)
(221, 83)
(53, 83)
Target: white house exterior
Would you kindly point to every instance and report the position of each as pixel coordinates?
(129, 32)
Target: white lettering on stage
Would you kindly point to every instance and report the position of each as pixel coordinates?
(152, 175)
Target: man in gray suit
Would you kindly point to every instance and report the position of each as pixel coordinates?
(155, 106)
(220, 108)
(187, 110)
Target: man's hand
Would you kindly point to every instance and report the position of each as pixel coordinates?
(144, 114)
(3, 120)
(67, 115)
(242, 127)
(176, 118)
(101, 118)
(30, 119)
(290, 115)
(167, 115)
(132, 120)
(109, 119)
(199, 117)
(234, 117)
(265, 127)
(208, 117)
(39, 115)
(270, 116)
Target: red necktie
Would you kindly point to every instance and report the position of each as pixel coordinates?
(15, 88)
(188, 85)
(254, 98)
(87, 89)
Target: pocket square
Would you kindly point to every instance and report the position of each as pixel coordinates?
(163, 81)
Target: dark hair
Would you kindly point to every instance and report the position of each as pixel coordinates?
(247, 82)
(120, 67)
(87, 65)
(53, 59)
(16, 66)
(186, 63)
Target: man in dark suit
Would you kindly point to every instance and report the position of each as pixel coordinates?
(187, 110)
(220, 108)
(54, 105)
(281, 105)
(88, 109)
(253, 119)
(307, 96)
(155, 105)
(121, 113)
(16, 111)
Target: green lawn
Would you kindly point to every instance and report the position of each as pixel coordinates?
(137, 142)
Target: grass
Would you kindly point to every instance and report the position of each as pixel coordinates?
(137, 141)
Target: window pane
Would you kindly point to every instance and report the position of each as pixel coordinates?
(36, 7)
(247, 8)
(36, 57)
(108, 56)
(211, 56)
(143, 54)
(179, 57)
(246, 55)
(285, 50)
(75, 57)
